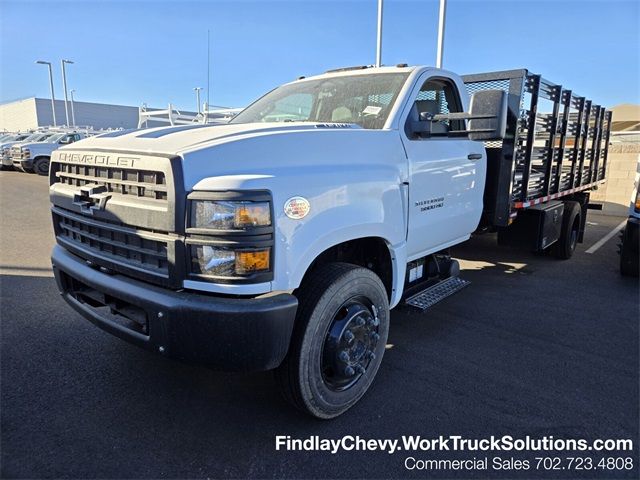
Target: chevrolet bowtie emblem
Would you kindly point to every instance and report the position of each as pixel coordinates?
(91, 197)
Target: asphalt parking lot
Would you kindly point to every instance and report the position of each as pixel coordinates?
(533, 346)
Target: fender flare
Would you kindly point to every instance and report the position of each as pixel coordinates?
(397, 256)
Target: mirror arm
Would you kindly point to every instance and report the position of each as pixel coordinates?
(480, 130)
(459, 116)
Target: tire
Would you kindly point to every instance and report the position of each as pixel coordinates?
(327, 370)
(566, 244)
(629, 258)
(41, 166)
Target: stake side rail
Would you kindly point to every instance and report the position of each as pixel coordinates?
(556, 144)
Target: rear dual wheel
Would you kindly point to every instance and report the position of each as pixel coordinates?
(338, 341)
(571, 220)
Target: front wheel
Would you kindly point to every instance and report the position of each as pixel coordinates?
(338, 341)
(41, 166)
(629, 261)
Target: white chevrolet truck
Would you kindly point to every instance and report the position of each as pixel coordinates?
(6, 144)
(34, 156)
(282, 239)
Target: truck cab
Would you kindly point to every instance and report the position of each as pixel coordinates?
(282, 239)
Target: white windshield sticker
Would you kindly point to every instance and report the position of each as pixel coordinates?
(371, 110)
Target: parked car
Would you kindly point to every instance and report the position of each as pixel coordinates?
(34, 156)
(264, 244)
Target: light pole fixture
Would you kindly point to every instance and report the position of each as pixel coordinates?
(197, 90)
(379, 36)
(64, 85)
(53, 98)
(441, 24)
(73, 113)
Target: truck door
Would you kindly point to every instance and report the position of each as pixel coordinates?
(446, 171)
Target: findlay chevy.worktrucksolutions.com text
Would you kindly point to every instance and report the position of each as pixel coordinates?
(454, 443)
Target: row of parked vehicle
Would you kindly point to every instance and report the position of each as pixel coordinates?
(31, 151)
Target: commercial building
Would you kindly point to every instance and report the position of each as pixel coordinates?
(35, 112)
(624, 162)
(31, 113)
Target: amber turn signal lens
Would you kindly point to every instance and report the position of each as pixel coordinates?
(254, 261)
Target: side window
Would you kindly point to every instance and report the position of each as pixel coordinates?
(438, 96)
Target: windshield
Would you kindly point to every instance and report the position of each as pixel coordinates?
(56, 137)
(34, 137)
(365, 100)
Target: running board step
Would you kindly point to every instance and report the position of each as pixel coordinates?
(432, 295)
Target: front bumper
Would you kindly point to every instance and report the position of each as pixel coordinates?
(248, 334)
(7, 161)
(22, 163)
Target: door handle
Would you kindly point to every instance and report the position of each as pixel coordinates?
(474, 156)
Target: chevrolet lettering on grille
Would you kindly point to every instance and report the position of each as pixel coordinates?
(93, 159)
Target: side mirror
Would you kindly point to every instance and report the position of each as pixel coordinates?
(489, 107)
(487, 118)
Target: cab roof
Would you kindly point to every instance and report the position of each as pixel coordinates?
(363, 70)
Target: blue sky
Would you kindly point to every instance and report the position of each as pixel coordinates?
(131, 52)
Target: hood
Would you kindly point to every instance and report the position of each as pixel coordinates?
(10, 144)
(30, 144)
(176, 140)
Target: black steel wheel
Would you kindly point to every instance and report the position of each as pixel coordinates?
(41, 166)
(338, 341)
(350, 343)
(568, 241)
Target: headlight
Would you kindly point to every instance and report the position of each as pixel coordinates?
(230, 236)
(26, 153)
(225, 262)
(229, 215)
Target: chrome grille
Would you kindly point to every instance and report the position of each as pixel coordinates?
(16, 153)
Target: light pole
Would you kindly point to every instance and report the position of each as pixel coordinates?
(73, 113)
(197, 90)
(379, 42)
(64, 84)
(53, 98)
(441, 22)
